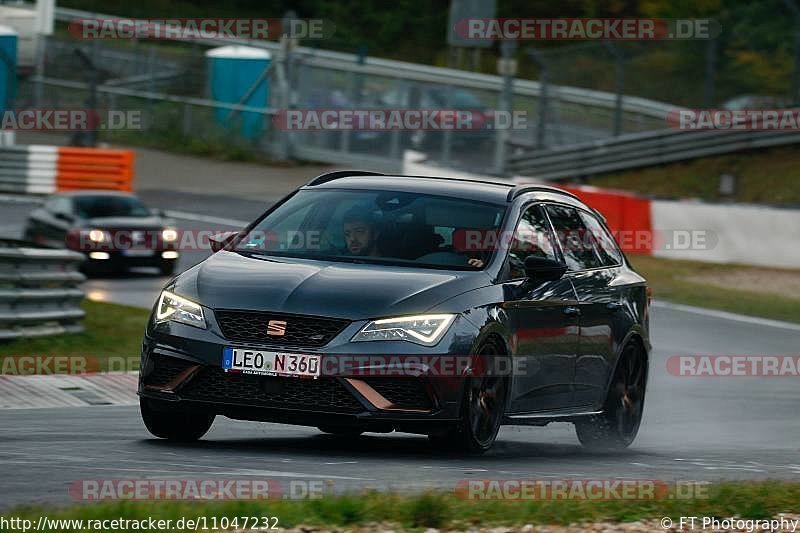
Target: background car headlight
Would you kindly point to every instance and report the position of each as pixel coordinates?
(169, 235)
(98, 235)
(179, 309)
(421, 329)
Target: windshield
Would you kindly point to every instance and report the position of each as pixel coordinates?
(110, 206)
(382, 227)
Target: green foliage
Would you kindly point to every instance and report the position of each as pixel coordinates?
(430, 509)
(110, 330)
(754, 51)
(759, 500)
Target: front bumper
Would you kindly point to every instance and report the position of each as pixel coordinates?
(118, 258)
(181, 370)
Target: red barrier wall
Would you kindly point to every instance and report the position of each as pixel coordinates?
(628, 216)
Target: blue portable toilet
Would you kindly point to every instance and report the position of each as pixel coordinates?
(8, 67)
(232, 71)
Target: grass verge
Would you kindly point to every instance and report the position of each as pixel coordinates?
(683, 282)
(111, 330)
(759, 500)
(769, 176)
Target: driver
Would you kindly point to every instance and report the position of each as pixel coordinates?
(360, 232)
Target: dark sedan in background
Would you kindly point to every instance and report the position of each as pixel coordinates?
(115, 230)
(496, 304)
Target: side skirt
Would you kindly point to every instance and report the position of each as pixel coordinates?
(542, 419)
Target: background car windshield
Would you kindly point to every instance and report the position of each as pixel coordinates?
(378, 226)
(109, 206)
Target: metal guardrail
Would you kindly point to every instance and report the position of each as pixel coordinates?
(641, 150)
(39, 292)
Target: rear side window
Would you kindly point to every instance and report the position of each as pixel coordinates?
(532, 237)
(604, 243)
(579, 252)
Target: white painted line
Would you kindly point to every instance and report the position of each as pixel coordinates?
(281, 473)
(205, 218)
(727, 316)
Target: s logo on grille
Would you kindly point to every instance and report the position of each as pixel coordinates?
(276, 328)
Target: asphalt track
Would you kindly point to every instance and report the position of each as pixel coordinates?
(697, 428)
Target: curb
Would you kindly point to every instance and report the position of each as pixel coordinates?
(64, 390)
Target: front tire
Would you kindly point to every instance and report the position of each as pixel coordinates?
(175, 426)
(482, 411)
(618, 426)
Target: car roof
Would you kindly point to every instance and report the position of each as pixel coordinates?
(482, 191)
(493, 191)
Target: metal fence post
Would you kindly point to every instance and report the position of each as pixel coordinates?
(283, 149)
(795, 10)
(447, 138)
(501, 135)
(41, 53)
(187, 119)
(619, 84)
(711, 71)
(544, 82)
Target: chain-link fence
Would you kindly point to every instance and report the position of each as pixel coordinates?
(167, 85)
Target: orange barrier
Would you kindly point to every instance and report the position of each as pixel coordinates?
(628, 216)
(94, 168)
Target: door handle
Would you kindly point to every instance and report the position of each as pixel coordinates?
(572, 311)
(614, 306)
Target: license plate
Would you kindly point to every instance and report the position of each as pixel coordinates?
(250, 361)
(137, 253)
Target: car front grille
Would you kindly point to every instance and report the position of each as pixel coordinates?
(404, 393)
(324, 394)
(253, 326)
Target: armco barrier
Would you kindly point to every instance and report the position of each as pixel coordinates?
(638, 150)
(39, 292)
(34, 169)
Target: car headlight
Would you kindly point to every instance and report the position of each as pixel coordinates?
(421, 329)
(98, 235)
(179, 309)
(169, 235)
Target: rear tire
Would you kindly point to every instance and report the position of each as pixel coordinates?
(481, 413)
(341, 431)
(618, 426)
(177, 426)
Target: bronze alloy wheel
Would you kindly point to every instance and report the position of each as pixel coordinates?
(482, 412)
(617, 427)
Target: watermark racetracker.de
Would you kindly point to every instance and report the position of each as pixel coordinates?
(734, 119)
(70, 119)
(583, 29)
(187, 29)
(734, 365)
(579, 489)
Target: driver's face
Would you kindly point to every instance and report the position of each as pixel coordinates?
(359, 236)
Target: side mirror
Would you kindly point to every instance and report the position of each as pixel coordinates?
(156, 212)
(66, 217)
(543, 269)
(218, 241)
